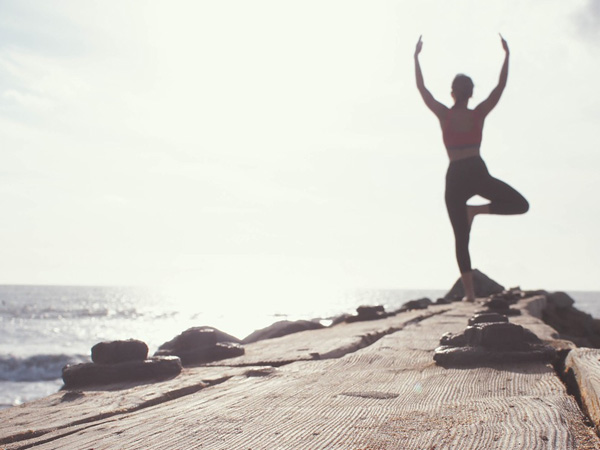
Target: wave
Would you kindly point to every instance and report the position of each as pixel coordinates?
(36, 312)
(36, 367)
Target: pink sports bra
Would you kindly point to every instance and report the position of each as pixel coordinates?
(466, 135)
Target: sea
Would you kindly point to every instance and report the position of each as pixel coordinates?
(44, 328)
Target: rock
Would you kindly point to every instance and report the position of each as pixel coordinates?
(491, 341)
(572, 324)
(282, 328)
(114, 352)
(421, 303)
(487, 317)
(560, 299)
(368, 313)
(501, 336)
(484, 287)
(499, 305)
(198, 337)
(340, 319)
(205, 354)
(511, 296)
(453, 340)
(201, 345)
(447, 356)
(88, 374)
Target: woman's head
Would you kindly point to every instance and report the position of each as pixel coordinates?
(462, 88)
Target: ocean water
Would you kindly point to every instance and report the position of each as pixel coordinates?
(46, 327)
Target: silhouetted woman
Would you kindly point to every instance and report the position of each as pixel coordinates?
(467, 174)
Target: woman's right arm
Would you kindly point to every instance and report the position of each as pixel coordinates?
(438, 108)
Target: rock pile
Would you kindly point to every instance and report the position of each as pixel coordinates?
(120, 361)
(573, 325)
(491, 338)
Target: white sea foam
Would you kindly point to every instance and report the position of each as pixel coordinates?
(37, 367)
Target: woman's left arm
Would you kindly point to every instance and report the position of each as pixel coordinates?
(488, 104)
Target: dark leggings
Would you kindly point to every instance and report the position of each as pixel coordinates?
(464, 179)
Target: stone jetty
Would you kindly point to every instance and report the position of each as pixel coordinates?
(358, 385)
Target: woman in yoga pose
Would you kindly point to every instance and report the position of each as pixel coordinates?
(467, 174)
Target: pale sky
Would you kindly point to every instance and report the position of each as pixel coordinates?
(258, 142)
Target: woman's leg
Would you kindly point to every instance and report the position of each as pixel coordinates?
(457, 211)
(504, 199)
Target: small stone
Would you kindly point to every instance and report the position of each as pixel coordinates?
(454, 340)
(368, 313)
(421, 303)
(115, 352)
(487, 317)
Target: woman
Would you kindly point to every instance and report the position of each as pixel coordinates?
(467, 174)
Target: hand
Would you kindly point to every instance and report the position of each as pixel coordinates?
(504, 44)
(419, 46)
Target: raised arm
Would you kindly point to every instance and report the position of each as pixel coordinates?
(438, 108)
(488, 104)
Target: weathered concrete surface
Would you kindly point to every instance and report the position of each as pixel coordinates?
(387, 395)
(582, 367)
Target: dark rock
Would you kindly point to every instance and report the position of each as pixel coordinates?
(201, 345)
(572, 324)
(487, 317)
(198, 337)
(368, 313)
(443, 301)
(114, 352)
(453, 339)
(511, 296)
(499, 305)
(484, 287)
(421, 303)
(340, 319)
(560, 299)
(502, 336)
(88, 374)
(486, 342)
(205, 354)
(282, 328)
(447, 356)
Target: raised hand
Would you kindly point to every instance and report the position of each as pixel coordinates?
(504, 43)
(419, 46)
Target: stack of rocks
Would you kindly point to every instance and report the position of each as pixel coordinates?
(491, 338)
(120, 361)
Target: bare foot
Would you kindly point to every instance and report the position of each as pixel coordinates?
(468, 299)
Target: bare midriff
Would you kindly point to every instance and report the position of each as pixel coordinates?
(456, 154)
